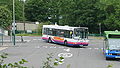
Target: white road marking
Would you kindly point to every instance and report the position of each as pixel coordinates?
(61, 47)
(45, 46)
(39, 39)
(96, 48)
(67, 49)
(81, 48)
(17, 40)
(89, 48)
(51, 47)
(34, 39)
(2, 48)
(28, 40)
(37, 47)
(65, 55)
(54, 47)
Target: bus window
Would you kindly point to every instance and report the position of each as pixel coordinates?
(68, 34)
(77, 32)
(82, 34)
(50, 31)
(61, 33)
(71, 34)
(45, 31)
(54, 32)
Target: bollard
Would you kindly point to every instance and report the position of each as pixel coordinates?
(21, 39)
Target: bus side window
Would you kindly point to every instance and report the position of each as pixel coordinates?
(47, 31)
(67, 34)
(62, 33)
(106, 44)
(50, 32)
(54, 32)
(71, 34)
(82, 34)
(44, 31)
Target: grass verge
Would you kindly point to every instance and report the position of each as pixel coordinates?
(28, 34)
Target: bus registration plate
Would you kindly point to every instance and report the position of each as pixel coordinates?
(117, 57)
(80, 45)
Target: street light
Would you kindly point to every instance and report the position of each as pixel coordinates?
(100, 28)
(50, 18)
(60, 17)
(23, 13)
(13, 30)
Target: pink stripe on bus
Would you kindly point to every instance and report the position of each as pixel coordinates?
(45, 38)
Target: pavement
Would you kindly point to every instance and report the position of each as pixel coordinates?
(35, 51)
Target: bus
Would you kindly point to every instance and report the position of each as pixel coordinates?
(70, 36)
(111, 47)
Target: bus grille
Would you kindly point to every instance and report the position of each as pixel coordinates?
(116, 54)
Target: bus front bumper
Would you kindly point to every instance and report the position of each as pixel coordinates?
(113, 56)
(77, 44)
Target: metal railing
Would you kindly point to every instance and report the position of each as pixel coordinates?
(1, 38)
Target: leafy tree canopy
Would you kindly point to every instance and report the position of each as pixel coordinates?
(5, 17)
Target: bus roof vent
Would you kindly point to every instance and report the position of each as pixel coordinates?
(56, 24)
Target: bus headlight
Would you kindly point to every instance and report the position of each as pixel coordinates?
(109, 54)
(106, 51)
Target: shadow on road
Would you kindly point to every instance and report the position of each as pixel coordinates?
(69, 46)
(118, 59)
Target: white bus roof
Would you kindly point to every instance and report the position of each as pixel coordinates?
(62, 27)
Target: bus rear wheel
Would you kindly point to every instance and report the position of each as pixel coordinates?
(65, 42)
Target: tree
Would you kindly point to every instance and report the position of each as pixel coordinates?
(85, 13)
(18, 7)
(36, 10)
(112, 11)
(5, 17)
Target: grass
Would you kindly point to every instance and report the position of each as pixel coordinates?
(97, 37)
(35, 34)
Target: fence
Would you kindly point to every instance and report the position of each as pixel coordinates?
(1, 39)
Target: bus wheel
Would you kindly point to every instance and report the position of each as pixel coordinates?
(65, 42)
(107, 58)
(49, 40)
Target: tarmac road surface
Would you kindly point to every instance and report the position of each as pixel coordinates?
(35, 51)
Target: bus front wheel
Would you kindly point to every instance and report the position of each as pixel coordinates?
(107, 58)
(49, 40)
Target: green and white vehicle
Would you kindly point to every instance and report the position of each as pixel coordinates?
(111, 47)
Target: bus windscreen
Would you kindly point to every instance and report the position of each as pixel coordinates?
(113, 36)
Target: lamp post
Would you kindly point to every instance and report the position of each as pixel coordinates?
(100, 28)
(60, 17)
(50, 18)
(23, 10)
(24, 14)
(13, 29)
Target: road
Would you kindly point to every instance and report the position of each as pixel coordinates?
(35, 51)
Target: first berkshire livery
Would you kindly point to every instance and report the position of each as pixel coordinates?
(70, 36)
(111, 48)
